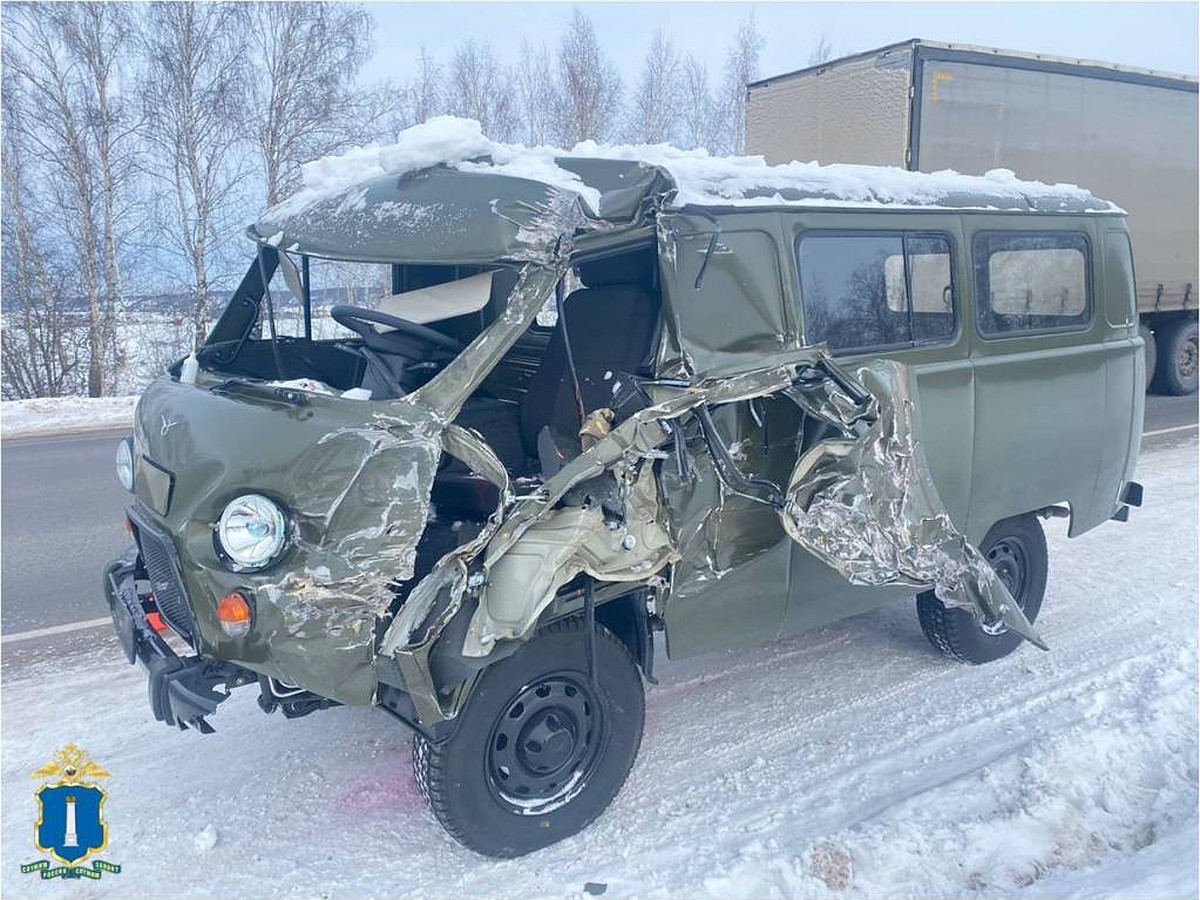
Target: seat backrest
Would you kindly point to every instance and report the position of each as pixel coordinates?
(610, 328)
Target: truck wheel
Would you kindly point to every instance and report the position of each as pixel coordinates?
(539, 752)
(1151, 352)
(1178, 358)
(1016, 549)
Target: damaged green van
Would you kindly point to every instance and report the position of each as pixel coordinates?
(611, 393)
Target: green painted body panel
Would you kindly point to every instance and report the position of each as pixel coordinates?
(219, 446)
(1008, 425)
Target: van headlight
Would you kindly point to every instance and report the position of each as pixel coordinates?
(125, 463)
(252, 533)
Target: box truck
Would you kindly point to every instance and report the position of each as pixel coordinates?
(1128, 135)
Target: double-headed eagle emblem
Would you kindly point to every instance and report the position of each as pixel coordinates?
(70, 766)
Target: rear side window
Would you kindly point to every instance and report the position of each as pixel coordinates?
(873, 291)
(1031, 282)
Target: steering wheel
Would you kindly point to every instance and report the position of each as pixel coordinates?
(362, 321)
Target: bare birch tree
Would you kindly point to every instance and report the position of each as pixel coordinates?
(305, 104)
(537, 94)
(42, 352)
(194, 92)
(66, 58)
(100, 37)
(479, 88)
(741, 68)
(590, 98)
(698, 114)
(427, 89)
(656, 108)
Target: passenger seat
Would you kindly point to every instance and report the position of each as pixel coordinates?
(611, 323)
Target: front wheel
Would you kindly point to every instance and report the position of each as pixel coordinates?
(540, 750)
(1016, 550)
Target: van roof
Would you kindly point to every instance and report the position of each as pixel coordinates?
(381, 203)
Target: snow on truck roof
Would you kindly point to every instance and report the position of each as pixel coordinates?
(372, 185)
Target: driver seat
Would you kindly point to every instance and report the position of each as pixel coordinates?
(397, 364)
(389, 373)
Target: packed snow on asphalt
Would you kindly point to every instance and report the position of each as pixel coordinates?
(850, 761)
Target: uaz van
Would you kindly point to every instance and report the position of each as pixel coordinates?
(607, 393)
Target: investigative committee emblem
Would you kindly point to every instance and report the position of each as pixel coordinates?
(70, 824)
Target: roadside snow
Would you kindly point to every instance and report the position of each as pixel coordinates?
(700, 177)
(847, 762)
(57, 415)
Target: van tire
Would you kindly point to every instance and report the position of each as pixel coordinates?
(1016, 549)
(1178, 358)
(541, 690)
(1151, 352)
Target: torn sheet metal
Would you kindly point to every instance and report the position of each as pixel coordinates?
(355, 479)
(567, 539)
(867, 505)
(358, 489)
(864, 503)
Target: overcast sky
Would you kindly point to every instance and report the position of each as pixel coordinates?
(1150, 35)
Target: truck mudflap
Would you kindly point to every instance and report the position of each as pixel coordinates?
(182, 690)
(862, 501)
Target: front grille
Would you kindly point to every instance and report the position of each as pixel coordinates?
(163, 571)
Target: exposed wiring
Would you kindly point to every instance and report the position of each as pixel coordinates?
(561, 305)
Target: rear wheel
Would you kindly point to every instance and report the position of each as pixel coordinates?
(1016, 550)
(1178, 358)
(540, 750)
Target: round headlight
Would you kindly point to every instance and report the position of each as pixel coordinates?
(125, 463)
(252, 532)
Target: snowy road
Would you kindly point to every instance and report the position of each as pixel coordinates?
(850, 761)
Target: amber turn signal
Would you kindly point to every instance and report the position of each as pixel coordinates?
(234, 614)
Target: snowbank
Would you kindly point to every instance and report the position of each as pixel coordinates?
(700, 177)
(59, 415)
(848, 762)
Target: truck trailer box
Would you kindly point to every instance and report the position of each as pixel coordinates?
(1128, 135)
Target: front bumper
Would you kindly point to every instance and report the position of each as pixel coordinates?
(183, 690)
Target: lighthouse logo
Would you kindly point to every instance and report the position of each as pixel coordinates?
(70, 824)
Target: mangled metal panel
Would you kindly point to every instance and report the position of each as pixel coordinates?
(866, 504)
(356, 476)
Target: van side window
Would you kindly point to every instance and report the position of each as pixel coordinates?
(1031, 282)
(866, 291)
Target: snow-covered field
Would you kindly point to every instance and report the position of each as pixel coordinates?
(848, 762)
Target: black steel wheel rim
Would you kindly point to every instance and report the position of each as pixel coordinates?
(1009, 559)
(545, 744)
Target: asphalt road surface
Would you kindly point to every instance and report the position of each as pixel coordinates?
(62, 520)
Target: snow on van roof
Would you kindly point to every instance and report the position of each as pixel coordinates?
(699, 178)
